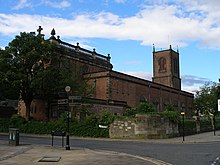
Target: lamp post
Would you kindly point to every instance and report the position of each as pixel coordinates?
(183, 114)
(67, 89)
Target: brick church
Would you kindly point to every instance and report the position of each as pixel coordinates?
(115, 91)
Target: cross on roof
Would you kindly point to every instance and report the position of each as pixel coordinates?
(39, 30)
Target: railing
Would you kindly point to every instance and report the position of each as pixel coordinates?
(92, 54)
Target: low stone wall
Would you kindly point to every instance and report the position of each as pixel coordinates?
(143, 126)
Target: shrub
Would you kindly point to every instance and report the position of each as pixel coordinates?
(131, 112)
(171, 115)
(4, 124)
(145, 108)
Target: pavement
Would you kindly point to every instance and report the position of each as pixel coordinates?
(47, 155)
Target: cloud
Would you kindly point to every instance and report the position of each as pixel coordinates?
(166, 22)
(143, 75)
(190, 83)
(57, 4)
(22, 4)
(120, 1)
(189, 80)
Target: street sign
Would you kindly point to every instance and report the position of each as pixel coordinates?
(75, 97)
(218, 105)
(63, 107)
(62, 101)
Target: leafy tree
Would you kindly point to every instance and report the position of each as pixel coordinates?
(206, 99)
(25, 57)
(33, 68)
(8, 88)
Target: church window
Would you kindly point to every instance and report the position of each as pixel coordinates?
(175, 66)
(162, 64)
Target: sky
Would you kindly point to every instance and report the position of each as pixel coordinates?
(127, 30)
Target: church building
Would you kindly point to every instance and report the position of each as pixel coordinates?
(115, 91)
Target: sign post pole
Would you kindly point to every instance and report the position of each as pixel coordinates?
(67, 89)
(183, 114)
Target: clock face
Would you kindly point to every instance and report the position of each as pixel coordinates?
(162, 64)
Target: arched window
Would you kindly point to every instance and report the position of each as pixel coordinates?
(162, 64)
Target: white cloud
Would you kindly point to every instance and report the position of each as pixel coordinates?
(143, 75)
(189, 83)
(120, 1)
(22, 4)
(162, 24)
(57, 4)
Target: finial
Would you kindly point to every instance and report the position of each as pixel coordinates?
(108, 58)
(53, 32)
(177, 49)
(170, 47)
(94, 50)
(77, 44)
(153, 48)
(58, 38)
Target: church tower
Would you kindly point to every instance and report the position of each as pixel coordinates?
(166, 70)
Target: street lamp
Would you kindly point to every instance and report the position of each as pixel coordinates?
(183, 114)
(67, 89)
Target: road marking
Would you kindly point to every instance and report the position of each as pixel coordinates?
(216, 161)
(149, 159)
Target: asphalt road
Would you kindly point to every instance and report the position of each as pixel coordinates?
(174, 153)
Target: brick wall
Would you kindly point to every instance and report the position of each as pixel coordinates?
(118, 86)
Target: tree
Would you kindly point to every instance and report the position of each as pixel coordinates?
(206, 99)
(34, 68)
(25, 57)
(8, 88)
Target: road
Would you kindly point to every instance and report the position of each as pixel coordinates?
(174, 153)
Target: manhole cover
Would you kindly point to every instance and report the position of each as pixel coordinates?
(50, 159)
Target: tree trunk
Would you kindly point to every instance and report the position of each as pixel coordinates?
(28, 107)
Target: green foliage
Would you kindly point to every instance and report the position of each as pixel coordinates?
(142, 108)
(171, 113)
(106, 118)
(205, 101)
(131, 112)
(85, 128)
(189, 127)
(4, 125)
(145, 108)
(17, 121)
(170, 107)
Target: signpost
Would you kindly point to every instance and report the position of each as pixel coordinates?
(75, 97)
(218, 105)
(62, 101)
(67, 89)
(183, 114)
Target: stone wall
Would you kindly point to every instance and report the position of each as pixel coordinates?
(143, 126)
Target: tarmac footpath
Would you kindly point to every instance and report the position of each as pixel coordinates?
(47, 155)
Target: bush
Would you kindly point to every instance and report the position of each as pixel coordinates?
(189, 127)
(145, 108)
(17, 121)
(4, 124)
(171, 115)
(205, 125)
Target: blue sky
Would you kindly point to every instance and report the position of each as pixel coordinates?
(127, 29)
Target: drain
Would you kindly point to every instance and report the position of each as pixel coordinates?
(50, 159)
